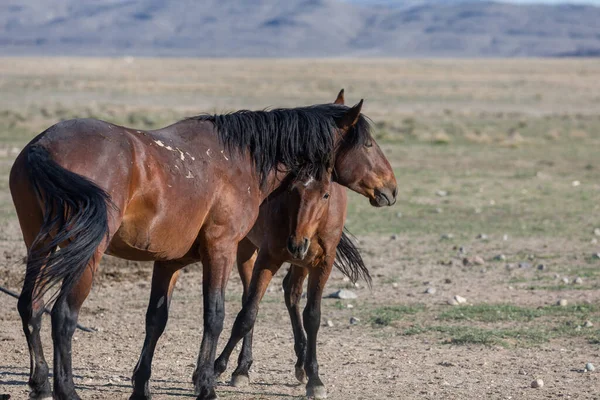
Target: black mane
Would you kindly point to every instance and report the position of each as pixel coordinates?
(301, 139)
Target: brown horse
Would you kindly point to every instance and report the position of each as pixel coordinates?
(185, 193)
(316, 236)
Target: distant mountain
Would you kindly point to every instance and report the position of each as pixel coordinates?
(297, 28)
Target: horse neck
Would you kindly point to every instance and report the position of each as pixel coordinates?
(273, 182)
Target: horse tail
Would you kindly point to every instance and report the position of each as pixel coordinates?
(75, 217)
(349, 261)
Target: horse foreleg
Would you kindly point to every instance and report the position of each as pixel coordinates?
(217, 261)
(292, 287)
(312, 320)
(246, 257)
(164, 277)
(264, 270)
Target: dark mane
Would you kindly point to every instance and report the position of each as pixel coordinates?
(298, 139)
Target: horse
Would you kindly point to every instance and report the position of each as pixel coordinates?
(185, 193)
(316, 241)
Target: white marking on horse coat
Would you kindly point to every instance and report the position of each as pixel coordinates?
(308, 182)
(248, 189)
(193, 158)
(189, 175)
(224, 156)
(181, 155)
(208, 153)
(158, 142)
(169, 148)
(160, 301)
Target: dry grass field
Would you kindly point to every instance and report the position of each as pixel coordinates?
(499, 188)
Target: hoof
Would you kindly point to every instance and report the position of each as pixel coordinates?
(240, 381)
(204, 394)
(301, 375)
(317, 392)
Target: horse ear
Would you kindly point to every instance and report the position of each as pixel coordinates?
(351, 117)
(340, 98)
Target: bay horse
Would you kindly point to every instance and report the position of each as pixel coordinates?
(177, 195)
(316, 241)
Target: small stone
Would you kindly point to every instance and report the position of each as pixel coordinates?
(594, 241)
(542, 267)
(511, 288)
(343, 294)
(460, 299)
(596, 256)
(556, 276)
(349, 306)
(500, 257)
(395, 285)
(462, 250)
(575, 183)
(510, 266)
(562, 303)
(329, 323)
(478, 260)
(578, 281)
(354, 321)
(588, 324)
(538, 383)
(590, 367)
(399, 214)
(482, 236)
(447, 280)
(522, 372)
(441, 193)
(394, 237)
(439, 210)
(430, 290)
(597, 231)
(565, 280)
(524, 265)
(345, 279)
(452, 302)
(505, 237)
(447, 236)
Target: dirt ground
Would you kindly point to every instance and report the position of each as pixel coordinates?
(499, 203)
(361, 361)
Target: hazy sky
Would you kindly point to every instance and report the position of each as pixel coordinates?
(595, 2)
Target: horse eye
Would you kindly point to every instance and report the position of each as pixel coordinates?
(326, 196)
(370, 144)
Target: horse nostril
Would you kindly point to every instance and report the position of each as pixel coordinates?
(395, 192)
(306, 243)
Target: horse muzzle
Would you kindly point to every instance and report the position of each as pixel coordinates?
(384, 197)
(298, 249)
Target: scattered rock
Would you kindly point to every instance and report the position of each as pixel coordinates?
(575, 183)
(538, 383)
(524, 265)
(588, 324)
(343, 294)
(395, 285)
(596, 256)
(556, 276)
(565, 280)
(448, 236)
(329, 323)
(441, 193)
(394, 237)
(522, 372)
(562, 303)
(354, 321)
(578, 281)
(505, 237)
(482, 236)
(500, 257)
(447, 280)
(594, 241)
(430, 290)
(462, 250)
(478, 260)
(597, 231)
(590, 367)
(511, 288)
(439, 210)
(452, 302)
(460, 299)
(510, 266)
(399, 214)
(542, 267)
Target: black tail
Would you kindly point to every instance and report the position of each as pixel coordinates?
(349, 261)
(75, 216)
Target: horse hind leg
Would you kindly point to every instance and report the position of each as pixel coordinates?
(292, 286)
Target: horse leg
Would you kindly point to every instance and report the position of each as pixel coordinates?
(312, 320)
(246, 256)
(217, 260)
(164, 277)
(264, 270)
(64, 321)
(292, 287)
(31, 311)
